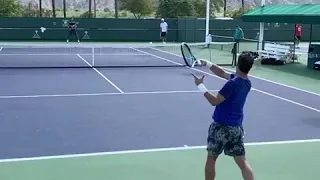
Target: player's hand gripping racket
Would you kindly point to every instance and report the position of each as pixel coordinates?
(188, 57)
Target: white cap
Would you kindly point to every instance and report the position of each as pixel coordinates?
(162, 19)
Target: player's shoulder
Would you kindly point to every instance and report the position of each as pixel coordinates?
(231, 82)
(238, 80)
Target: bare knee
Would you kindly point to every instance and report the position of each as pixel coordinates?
(210, 167)
(211, 162)
(242, 163)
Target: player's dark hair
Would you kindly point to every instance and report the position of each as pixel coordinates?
(245, 62)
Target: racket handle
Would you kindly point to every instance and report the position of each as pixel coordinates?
(193, 64)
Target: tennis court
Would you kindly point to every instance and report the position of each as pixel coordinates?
(135, 123)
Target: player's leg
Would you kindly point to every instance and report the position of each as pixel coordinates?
(76, 33)
(235, 47)
(235, 148)
(73, 32)
(214, 147)
(165, 37)
(162, 37)
(69, 34)
(298, 38)
(245, 167)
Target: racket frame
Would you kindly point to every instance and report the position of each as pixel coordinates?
(185, 45)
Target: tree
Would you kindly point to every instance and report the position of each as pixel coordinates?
(86, 15)
(116, 8)
(216, 6)
(90, 9)
(40, 8)
(9, 8)
(176, 8)
(200, 7)
(53, 8)
(64, 9)
(224, 8)
(238, 13)
(138, 8)
(30, 10)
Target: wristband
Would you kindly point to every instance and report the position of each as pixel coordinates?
(202, 88)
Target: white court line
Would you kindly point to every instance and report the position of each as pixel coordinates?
(272, 95)
(288, 100)
(64, 54)
(157, 57)
(149, 150)
(103, 76)
(100, 94)
(263, 79)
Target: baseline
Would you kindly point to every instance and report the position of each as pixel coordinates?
(150, 150)
(63, 54)
(101, 94)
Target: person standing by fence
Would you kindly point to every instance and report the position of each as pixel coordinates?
(72, 26)
(238, 36)
(297, 33)
(163, 30)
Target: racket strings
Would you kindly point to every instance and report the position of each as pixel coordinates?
(188, 55)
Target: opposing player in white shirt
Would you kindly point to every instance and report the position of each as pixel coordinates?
(163, 31)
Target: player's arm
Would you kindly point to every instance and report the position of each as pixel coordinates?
(223, 94)
(69, 26)
(218, 71)
(214, 100)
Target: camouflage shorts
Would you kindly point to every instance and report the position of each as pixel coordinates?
(225, 138)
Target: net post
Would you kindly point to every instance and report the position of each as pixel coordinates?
(261, 30)
(235, 52)
(207, 19)
(210, 56)
(92, 53)
(208, 40)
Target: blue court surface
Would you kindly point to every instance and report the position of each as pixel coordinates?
(53, 112)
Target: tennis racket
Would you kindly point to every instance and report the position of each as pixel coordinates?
(188, 57)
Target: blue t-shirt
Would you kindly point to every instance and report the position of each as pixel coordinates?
(238, 33)
(235, 92)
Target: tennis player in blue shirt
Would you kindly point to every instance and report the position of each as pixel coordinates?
(226, 132)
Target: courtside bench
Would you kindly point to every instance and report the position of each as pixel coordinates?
(282, 52)
(276, 51)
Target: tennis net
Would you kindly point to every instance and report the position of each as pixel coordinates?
(89, 55)
(245, 44)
